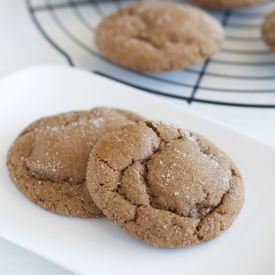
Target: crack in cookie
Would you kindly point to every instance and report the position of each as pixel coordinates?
(164, 185)
(48, 160)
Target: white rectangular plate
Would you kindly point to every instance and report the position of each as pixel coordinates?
(97, 246)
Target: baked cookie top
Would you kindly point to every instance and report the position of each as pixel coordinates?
(157, 36)
(48, 160)
(164, 185)
(268, 31)
(227, 4)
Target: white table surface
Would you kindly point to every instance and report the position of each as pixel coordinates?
(21, 45)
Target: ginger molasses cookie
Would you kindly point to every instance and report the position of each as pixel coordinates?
(48, 160)
(157, 36)
(164, 185)
(227, 4)
(268, 31)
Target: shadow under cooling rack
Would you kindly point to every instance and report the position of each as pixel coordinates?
(241, 74)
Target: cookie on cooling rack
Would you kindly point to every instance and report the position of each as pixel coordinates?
(226, 4)
(48, 160)
(164, 185)
(268, 31)
(158, 36)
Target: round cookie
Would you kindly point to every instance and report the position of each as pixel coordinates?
(164, 185)
(157, 36)
(226, 4)
(48, 160)
(268, 31)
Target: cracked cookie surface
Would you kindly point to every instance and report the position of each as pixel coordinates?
(226, 4)
(156, 37)
(48, 160)
(268, 31)
(164, 185)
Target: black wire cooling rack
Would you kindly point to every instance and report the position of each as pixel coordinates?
(241, 74)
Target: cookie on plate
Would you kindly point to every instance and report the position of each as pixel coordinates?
(268, 31)
(157, 36)
(48, 160)
(165, 185)
(227, 4)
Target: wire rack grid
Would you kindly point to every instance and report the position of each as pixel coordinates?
(241, 74)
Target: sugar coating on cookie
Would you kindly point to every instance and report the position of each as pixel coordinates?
(165, 185)
(157, 36)
(48, 160)
(226, 4)
(268, 31)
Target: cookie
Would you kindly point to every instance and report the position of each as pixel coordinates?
(268, 31)
(48, 160)
(164, 185)
(226, 4)
(157, 36)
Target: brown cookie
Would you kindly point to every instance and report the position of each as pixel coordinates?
(227, 4)
(48, 160)
(268, 31)
(156, 36)
(164, 185)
